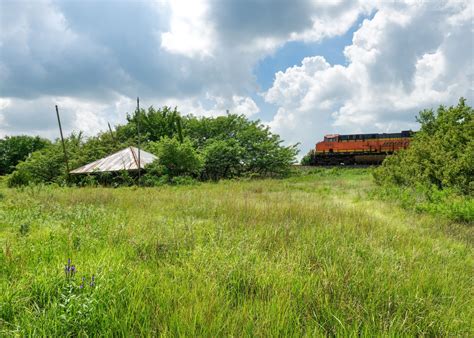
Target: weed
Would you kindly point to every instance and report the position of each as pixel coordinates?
(24, 229)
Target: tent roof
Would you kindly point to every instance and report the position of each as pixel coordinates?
(125, 159)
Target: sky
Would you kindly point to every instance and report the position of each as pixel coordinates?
(305, 68)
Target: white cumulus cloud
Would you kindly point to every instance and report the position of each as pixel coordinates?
(406, 58)
(190, 32)
(94, 57)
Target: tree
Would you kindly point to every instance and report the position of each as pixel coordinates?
(441, 153)
(260, 151)
(222, 159)
(47, 165)
(177, 159)
(43, 166)
(154, 125)
(14, 149)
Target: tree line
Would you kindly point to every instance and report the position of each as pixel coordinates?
(188, 148)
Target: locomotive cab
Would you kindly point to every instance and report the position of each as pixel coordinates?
(327, 145)
(331, 138)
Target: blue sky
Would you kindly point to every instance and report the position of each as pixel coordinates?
(291, 54)
(305, 68)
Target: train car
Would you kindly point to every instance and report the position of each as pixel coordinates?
(338, 149)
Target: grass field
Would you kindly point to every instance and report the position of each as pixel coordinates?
(306, 255)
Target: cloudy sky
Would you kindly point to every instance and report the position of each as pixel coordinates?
(304, 67)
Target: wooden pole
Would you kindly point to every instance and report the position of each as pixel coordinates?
(111, 133)
(138, 132)
(62, 140)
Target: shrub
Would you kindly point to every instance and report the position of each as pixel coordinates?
(176, 158)
(45, 165)
(14, 149)
(19, 178)
(308, 159)
(441, 153)
(183, 180)
(436, 173)
(222, 159)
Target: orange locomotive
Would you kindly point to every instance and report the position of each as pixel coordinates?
(359, 148)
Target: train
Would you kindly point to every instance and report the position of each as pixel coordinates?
(355, 149)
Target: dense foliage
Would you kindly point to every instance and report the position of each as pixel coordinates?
(438, 167)
(308, 158)
(175, 158)
(223, 159)
(441, 153)
(191, 147)
(248, 147)
(154, 124)
(14, 149)
(47, 165)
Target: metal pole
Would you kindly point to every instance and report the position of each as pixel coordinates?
(138, 131)
(62, 140)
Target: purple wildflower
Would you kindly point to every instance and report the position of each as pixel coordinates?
(92, 284)
(69, 269)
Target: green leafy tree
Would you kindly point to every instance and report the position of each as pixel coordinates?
(43, 166)
(153, 123)
(176, 158)
(260, 152)
(14, 149)
(440, 155)
(47, 165)
(222, 159)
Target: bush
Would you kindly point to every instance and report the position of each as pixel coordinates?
(222, 159)
(436, 173)
(441, 153)
(19, 178)
(14, 149)
(183, 180)
(176, 158)
(446, 203)
(308, 159)
(45, 165)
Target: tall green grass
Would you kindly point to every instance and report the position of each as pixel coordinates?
(307, 255)
(445, 203)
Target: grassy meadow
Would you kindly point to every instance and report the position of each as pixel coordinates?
(308, 255)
